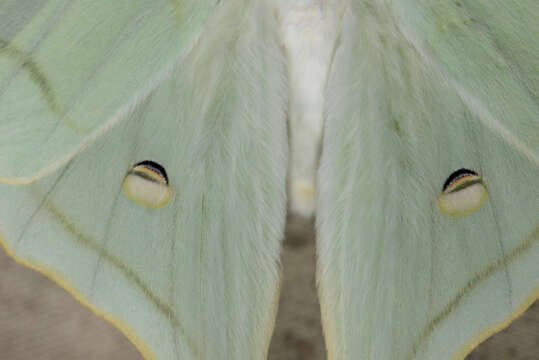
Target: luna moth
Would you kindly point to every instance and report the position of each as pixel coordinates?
(144, 158)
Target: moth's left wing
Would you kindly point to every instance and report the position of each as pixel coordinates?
(419, 90)
(197, 277)
(71, 69)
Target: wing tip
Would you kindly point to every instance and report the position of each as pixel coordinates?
(65, 284)
(466, 349)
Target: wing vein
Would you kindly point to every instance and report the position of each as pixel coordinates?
(503, 53)
(473, 103)
(39, 207)
(139, 96)
(98, 264)
(129, 274)
(479, 278)
(27, 55)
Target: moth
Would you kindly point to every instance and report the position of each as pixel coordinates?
(146, 147)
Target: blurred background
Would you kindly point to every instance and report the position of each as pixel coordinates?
(40, 321)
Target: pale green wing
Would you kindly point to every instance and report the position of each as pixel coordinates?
(419, 89)
(197, 278)
(69, 69)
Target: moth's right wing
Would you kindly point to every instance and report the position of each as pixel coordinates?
(418, 90)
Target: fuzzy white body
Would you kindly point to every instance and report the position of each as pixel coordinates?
(309, 34)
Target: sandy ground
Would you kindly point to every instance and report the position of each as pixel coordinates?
(40, 321)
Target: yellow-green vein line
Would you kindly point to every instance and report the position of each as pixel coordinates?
(35, 73)
(473, 283)
(33, 70)
(124, 269)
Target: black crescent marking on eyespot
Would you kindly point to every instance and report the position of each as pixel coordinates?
(143, 175)
(153, 166)
(457, 174)
(465, 185)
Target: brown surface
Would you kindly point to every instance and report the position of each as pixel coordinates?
(40, 321)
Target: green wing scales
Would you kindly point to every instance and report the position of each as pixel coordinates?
(419, 89)
(197, 278)
(69, 70)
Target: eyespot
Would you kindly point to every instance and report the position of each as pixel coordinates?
(146, 183)
(463, 193)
